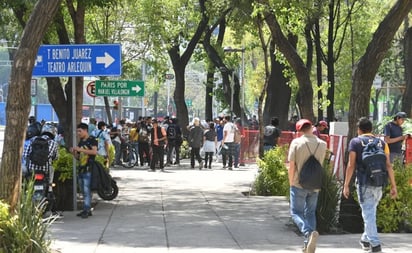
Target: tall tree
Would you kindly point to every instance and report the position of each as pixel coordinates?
(407, 97)
(367, 67)
(18, 104)
(305, 93)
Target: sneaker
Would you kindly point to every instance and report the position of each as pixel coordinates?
(365, 245)
(313, 237)
(377, 248)
(84, 214)
(200, 165)
(305, 248)
(57, 214)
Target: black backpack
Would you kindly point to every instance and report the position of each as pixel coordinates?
(171, 132)
(39, 151)
(373, 168)
(311, 174)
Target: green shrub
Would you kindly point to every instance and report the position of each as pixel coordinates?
(393, 214)
(327, 214)
(24, 231)
(64, 163)
(184, 150)
(272, 179)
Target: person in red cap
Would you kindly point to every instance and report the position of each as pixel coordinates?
(303, 202)
(320, 127)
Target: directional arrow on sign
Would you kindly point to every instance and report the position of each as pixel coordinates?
(107, 59)
(136, 88)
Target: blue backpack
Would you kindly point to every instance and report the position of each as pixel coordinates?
(373, 171)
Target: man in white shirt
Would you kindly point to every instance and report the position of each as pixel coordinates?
(228, 144)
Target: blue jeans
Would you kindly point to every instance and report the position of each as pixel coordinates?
(303, 209)
(369, 198)
(84, 182)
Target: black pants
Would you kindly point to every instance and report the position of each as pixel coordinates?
(195, 153)
(144, 149)
(157, 156)
(173, 144)
(208, 157)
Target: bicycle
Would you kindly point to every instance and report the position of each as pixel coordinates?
(129, 156)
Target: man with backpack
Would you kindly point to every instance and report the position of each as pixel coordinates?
(303, 201)
(369, 159)
(174, 141)
(39, 154)
(271, 134)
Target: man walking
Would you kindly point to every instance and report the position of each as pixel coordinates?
(228, 142)
(369, 196)
(195, 143)
(303, 202)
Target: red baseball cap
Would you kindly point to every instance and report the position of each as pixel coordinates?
(301, 123)
(323, 123)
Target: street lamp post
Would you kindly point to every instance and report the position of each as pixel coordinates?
(242, 82)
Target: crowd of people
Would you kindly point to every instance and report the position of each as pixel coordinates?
(158, 142)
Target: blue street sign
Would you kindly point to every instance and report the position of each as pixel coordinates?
(78, 60)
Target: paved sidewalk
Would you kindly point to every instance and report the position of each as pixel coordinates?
(183, 210)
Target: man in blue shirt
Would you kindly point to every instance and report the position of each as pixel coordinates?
(394, 136)
(369, 196)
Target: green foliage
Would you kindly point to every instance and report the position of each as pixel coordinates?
(327, 214)
(273, 175)
(392, 214)
(184, 150)
(64, 163)
(24, 230)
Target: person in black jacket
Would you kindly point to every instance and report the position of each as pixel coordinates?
(195, 143)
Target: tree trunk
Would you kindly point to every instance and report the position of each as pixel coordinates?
(305, 94)
(278, 94)
(179, 97)
(407, 95)
(18, 102)
(209, 95)
(331, 64)
(368, 65)
(180, 62)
